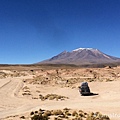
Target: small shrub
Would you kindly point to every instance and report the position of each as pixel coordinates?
(47, 113)
(81, 115)
(35, 117)
(39, 117)
(68, 114)
(41, 110)
(105, 117)
(26, 94)
(36, 112)
(22, 117)
(51, 98)
(66, 110)
(41, 97)
(74, 113)
(55, 118)
(90, 118)
(57, 112)
(32, 113)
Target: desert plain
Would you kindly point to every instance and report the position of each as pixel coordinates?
(28, 89)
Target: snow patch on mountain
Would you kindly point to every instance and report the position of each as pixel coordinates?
(79, 49)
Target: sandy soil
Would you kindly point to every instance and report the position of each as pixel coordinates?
(13, 102)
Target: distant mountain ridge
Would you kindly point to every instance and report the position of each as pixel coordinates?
(81, 56)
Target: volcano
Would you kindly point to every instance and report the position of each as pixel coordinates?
(81, 56)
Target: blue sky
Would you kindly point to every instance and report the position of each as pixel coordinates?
(35, 30)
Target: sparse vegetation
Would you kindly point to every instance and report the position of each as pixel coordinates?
(36, 87)
(66, 114)
(52, 97)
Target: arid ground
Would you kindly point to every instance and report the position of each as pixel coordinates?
(27, 89)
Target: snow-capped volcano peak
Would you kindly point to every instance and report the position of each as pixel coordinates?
(79, 49)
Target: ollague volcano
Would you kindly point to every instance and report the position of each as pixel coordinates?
(82, 56)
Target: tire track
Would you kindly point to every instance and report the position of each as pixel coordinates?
(4, 84)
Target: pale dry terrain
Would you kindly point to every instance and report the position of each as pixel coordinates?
(24, 91)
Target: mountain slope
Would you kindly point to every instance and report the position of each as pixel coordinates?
(81, 56)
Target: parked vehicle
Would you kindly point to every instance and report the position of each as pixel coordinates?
(84, 89)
